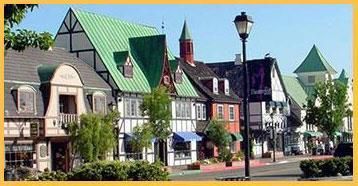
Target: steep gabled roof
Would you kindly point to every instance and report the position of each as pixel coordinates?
(295, 90)
(315, 62)
(343, 77)
(111, 36)
(185, 34)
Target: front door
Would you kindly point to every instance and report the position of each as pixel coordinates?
(162, 152)
(60, 156)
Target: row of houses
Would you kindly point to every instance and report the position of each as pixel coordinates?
(100, 63)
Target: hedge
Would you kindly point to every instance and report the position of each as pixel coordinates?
(327, 167)
(109, 171)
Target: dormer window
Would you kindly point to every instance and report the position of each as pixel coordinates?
(226, 87)
(178, 75)
(128, 68)
(99, 102)
(215, 86)
(26, 99)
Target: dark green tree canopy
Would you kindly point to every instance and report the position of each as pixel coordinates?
(22, 38)
(218, 134)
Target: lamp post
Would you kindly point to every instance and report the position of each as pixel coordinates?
(243, 25)
(273, 128)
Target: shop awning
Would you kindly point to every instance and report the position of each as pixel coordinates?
(186, 136)
(128, 136)
(312, 134)
(236, 137)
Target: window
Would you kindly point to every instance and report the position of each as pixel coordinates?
(130, 153)
(311, 79)
(19, 155)
(231, 113)
(200, 111)
(99, 103)
(178, 75)
(220, 110)
(227, 88)
(182, 150)
(215, 86)
(26, 100)
(182, 109)
(128, 68)
(132, 107)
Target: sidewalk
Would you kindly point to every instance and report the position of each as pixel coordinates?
(182, 170)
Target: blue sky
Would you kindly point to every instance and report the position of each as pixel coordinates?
(287, 32)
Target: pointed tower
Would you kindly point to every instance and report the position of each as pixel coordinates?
(343, 77)
(186, 46)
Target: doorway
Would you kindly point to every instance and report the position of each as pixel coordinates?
(60, 156)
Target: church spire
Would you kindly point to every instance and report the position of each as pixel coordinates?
(186, 46)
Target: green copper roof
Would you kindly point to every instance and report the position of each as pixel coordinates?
(110, 38)
(343, 77)
(185, 34)
(295, 90)
(315, 62)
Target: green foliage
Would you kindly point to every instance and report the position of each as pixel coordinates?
(225, 155)
(119, 171)
(49, 176)
(22, 38)
(156, 106)
(327, 167)
(217, 133)
(142, 136)
(332, 108)
(93, 137)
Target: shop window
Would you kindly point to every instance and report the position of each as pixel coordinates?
(182, 150)
(99, 103)
(130, 153)
(19, 155)
(26, 99)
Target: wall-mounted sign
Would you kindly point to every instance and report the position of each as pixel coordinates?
(34, 129)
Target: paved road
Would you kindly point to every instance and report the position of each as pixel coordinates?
(279, 171)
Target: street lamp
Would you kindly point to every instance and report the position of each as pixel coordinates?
(273, 130)
(243, 25)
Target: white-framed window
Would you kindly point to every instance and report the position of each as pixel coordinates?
(26, 99)
(132, 107)
(220, 112)
(200, 111)
(227, 87)
(182, 109)
(99, 102)
(231, 112)
(215, 86)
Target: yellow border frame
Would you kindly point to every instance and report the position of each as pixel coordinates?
(195, 183)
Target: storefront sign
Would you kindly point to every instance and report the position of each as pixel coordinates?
(18, 147)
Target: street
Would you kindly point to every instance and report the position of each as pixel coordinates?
(278, 171)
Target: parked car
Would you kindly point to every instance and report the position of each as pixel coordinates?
(343, 149)
(296, 149)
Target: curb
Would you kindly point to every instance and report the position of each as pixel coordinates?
(186, 172)
(332, 178)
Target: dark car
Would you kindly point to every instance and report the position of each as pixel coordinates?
(344, 149)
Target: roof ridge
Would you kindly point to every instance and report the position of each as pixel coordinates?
(111, 17)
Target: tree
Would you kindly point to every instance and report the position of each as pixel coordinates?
(142, 137)
(218, 134)
(22, 38)
(327, 107)
(156, 106)
(93, 137)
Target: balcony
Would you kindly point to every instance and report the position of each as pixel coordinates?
(65, 118)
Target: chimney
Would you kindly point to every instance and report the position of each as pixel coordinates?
(186, 46)
(238, 59)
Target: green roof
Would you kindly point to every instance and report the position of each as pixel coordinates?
(295, 90)
(185, 34)
(315, 62)
(343, 77)
(110, 37)
(45, 72)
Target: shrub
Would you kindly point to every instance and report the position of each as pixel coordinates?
(144, 171)
(327, 167)
(225, 155)
(309, 168)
